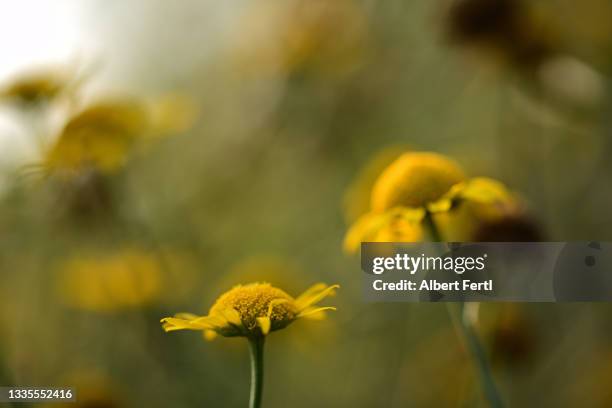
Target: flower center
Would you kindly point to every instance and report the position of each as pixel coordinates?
(253, 301)
(414, 180)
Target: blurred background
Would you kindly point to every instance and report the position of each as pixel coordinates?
(153, 154)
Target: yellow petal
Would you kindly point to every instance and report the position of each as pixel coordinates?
(317, 287)
(173, 323)
(186, 316)
(209, 335)
(367, 227)
(315, 298)
(315, 313)
(485, 190)
(442, 205)
(231, 315)
(359, 232)
(188, 321)
(273, 303)
(264, 324)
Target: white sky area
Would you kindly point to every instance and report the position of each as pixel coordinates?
(32, 32)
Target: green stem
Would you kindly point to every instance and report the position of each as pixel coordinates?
(433, 230)
(256, 346)
(477, 352)
(469, 335)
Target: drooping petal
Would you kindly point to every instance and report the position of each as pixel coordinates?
(372, 227)
(264, 324)
(480, 190)
(316, 297)
(186, 316)
(316, 288)
(485, 190)
(231, 316)
(274, 303)
(315, 313)
(174, 323)
(364, 227)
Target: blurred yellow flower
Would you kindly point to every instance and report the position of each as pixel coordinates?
(356, 200)
(124, 279)
(93, 390)
(36, 87)
(416, 185)
(253, 310)
(102, 135)
(415, 179)
(99, 137)
(397, 225)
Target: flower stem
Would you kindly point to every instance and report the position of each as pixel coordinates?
(469, 335)
(468, 332)
(433, 230)
(256, 346)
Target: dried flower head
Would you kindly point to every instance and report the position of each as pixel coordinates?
(504, 28)
(253, 310)
(508, 228)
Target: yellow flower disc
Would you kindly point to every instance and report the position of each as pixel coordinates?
(253, 301)
(414, 180)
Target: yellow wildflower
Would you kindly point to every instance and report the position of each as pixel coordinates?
(253, 310)
(356, 200)
(99, 137)
(125, 279)
(398, 225)
(416, 185)
(102, 135)
(36, 87)
(415, 179)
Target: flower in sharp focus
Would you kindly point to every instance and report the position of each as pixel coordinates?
(253, 310)
(417, 184)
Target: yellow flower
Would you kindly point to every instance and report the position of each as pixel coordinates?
(253, 310)
(125, 279)
(356, 200)
(102, 135)
(413, 186)
(398, 225)
(415, 179)
(36, 87)
(99, 137)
